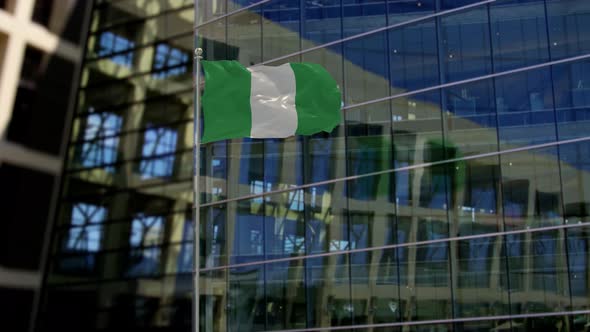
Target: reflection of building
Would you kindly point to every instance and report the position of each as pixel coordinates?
(39, 56)
(486, 241)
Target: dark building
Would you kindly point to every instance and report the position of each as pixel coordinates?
(40, 55)
(453, 196)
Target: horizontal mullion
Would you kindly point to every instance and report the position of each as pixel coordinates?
(122, 249)
(129, 132)
(135, 75)
(110, 108)
(440, 321)
(469, 80)
(353, 37)
(397, 246)
(127, 161)
(124, 23)
(400, 169)
(138, 47)
(124, 220)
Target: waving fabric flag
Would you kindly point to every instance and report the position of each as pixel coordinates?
(268, 102)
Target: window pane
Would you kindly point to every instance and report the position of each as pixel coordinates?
(568, 22)
(537, 272)
(465, 45)
(575, 164)
(365, 69)
(280, 28)
(572, 98)
(428, 293)
(100, 145)
(476, 196)
(328, 291)
(414, 57)
(362, 15)
(246, 307)
(470, 119)
(110, 43)
(169, 61)
(285, 291)
(158, 146)
(244, 32)
(577, 248)
(531, 189)
(525, 109)
(322, 22)
(479, 268)
(146, 236)
(86, 239)
(416, 122)
(369, 147)
(519, 33)
(404, 10)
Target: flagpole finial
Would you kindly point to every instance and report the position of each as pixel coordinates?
(198, 53)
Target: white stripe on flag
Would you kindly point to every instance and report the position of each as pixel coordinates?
(272, 101)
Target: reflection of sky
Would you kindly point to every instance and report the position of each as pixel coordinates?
(146, 233)
(113, 43)
(167, 56)
(522, 101)
(158, 141)
(86, 231)
(97, 150)
(146, 230)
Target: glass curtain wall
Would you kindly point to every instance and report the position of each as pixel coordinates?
(466, 120)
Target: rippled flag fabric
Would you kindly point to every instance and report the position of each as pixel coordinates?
(268, 101)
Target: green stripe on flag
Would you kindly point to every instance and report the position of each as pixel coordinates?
(226, 117)
(318, 99)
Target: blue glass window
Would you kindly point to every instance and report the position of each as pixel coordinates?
(450, 4)
(185, 257)
(280, 28)
(169, 61)
(475, 261)
(158, 148)
(258, 187)
(363, 15)
(569, 23)
(84, 237)
(110, 43)
(294, 243)
(86, 231)
(369, 152)
(146, 236)
(525, 108)
(413, 57)
(519, 33)
(470, 118)
(465, 42)
(404, 10)
(545, 252)
(572, 98)
(248, 241)
(432, 257)
(322, 22)
(296, 201)
(252, 169)
(100, 146)
(578, 257)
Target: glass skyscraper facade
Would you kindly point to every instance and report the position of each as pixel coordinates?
(454, 195)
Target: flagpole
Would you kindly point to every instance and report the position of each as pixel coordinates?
(196, 193)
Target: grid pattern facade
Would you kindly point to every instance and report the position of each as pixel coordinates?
(454, 196)
(39, 53)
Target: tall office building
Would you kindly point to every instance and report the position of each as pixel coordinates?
(40, 52)
(454, 195)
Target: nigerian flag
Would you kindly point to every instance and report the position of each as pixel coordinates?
(268, 102)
